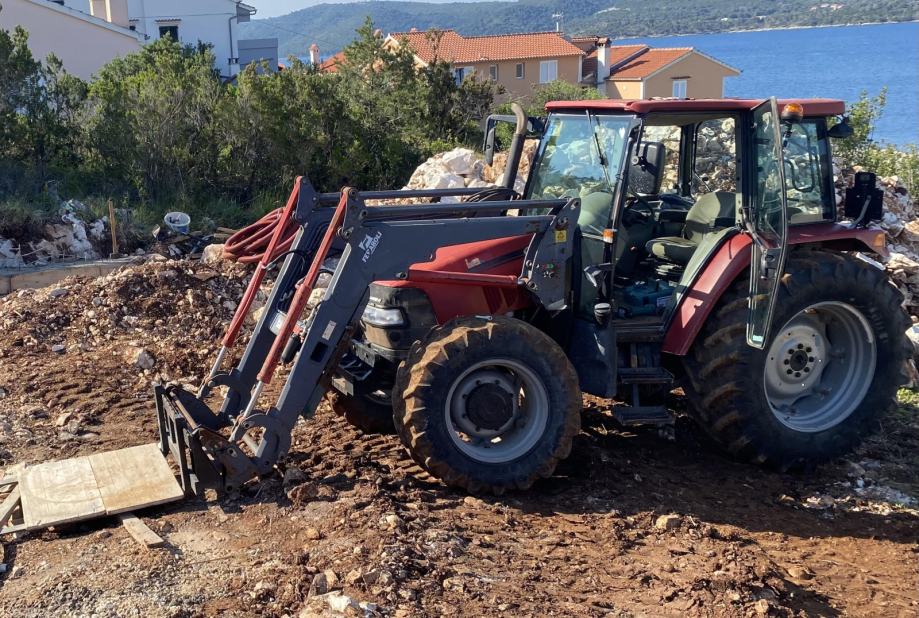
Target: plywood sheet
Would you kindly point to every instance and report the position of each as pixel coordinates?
(134, 478)
(9, 504)
(59, 492)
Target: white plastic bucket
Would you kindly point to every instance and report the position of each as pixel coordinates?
(177, 222)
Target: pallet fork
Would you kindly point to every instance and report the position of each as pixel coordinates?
(374, 243)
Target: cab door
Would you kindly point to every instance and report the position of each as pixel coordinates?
(766, 220)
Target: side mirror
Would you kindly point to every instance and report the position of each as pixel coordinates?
(489, 147)
(841, 130)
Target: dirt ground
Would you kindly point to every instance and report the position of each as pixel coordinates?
(632, 524)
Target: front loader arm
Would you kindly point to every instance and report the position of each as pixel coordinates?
(379, 243)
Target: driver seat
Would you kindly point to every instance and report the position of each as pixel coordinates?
(710, 213)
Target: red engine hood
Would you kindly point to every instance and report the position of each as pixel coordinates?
(477, 278)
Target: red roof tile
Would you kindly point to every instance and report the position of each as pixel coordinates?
(618, 53)
(652, 60)
(455, 48)
(330, 64)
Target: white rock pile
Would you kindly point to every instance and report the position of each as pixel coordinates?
(901, 225)
(461, 167)
(72, 238)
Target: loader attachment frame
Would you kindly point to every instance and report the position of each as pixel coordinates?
(375, 243)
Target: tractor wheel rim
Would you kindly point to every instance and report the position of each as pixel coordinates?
(497, 410)
(820, 366)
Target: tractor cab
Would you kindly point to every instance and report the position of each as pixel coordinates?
(664, 184)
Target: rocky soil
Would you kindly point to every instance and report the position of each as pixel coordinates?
(631, 524)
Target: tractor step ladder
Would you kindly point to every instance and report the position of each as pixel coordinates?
(645, 375)
(635, 376)
(642, 415)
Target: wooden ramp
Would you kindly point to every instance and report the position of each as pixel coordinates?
(62, 492)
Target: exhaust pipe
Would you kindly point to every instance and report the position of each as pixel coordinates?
(516, 149)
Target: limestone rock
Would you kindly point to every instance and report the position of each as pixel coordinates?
(668, 522)
(212, 254)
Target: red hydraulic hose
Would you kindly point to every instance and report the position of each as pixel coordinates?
(249, 244)
(275, 243)
(302, 295)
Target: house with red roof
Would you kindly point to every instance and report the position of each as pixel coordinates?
(521, 62)
(518, 62)
(644, 72)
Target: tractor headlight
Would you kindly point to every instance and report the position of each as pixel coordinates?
(378, 316)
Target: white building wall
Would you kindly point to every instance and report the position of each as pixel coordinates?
(83, 43)
(209, 21)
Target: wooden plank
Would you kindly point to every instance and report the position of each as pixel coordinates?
(9, 505)
(59, 492)
(139, 530)
(133, 478)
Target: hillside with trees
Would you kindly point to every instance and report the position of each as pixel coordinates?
(332, 25)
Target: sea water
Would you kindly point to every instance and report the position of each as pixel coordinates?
(835, 62)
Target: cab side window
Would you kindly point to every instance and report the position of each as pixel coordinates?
(715, 157)
(669, 136)
(806, 168)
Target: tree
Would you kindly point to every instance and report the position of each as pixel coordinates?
(150, 119)
(863, 115)
(39, 107)
(861, 150)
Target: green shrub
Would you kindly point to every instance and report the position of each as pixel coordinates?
(159, 130)
(860, 149)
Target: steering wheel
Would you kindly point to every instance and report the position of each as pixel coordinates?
(636, 212)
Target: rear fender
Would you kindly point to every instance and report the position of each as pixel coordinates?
(733, 259)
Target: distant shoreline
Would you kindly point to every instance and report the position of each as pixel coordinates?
(772, 29)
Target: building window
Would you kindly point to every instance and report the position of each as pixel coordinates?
(519, 70)
(493, 72)
(548, 71)
(172, 31)
(679, 88)
(461, 73)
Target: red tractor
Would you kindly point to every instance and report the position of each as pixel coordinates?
(658, 244)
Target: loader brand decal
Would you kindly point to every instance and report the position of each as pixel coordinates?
(369, 245)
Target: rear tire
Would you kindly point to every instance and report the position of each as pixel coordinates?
(488, 404)
(794, 402)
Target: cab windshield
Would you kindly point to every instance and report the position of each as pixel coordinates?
(581, 155)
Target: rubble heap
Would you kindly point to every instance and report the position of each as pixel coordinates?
(461, 167)
(75, 237)
(139, 312)
(901, 225)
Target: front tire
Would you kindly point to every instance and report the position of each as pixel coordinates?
(834, 361)
(488, 404)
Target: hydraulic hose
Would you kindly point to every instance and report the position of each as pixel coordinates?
(249, 244)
